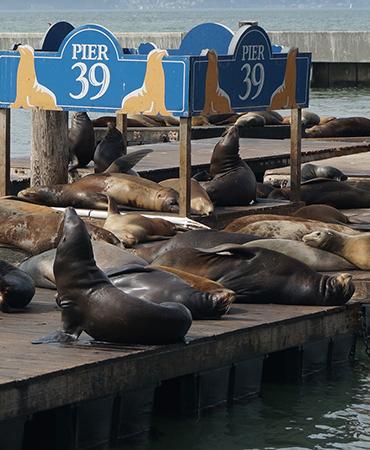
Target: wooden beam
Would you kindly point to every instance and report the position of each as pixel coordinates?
(185, 166)
(4, 151)
(121, 125)
(50, 147)
(295, 153)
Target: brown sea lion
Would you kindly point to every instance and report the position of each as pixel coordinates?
(133, 229)
(355, 249)
(258, 275)
(200, 202)
(323, 213)
(249, 120)
(16, 287)
(81, 140)
(233, 182)
(109, 149)
(343, 127)
(310, 171)
(315, 258)
(200, 121)
(309, 119)
(91, 192)
(338, 194)
(288, 229)
(91, 303)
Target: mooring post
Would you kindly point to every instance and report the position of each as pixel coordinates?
(185, 165)
(121, 125)
(4, 151)
(295, 153)
(50, 147)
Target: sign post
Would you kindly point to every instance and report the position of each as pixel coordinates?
(295, 153)
(4, 151)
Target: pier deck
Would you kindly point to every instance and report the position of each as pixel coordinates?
(46, 376)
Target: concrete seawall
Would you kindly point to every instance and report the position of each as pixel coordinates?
(339, 58)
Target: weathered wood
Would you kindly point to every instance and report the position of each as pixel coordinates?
(295, 153)
(4, 151)
(185, 165)
(121, 125)
(50, 147)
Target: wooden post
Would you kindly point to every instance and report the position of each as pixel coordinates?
(4, 151)
(50, 147)
(121, 125)
(185, 165)
(295, 153)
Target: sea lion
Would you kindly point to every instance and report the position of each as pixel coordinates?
(91, 303)
(200, 202)
(309, 119)
(193, 239)
(285, 95)
(233, 182)
(91, 192)
(323, 213)
(315, 258)
(288, 229)
(81, 140)
(241, 222)
(338, 194)
(125, 163)
(264, 189)
(109, 149)
(342, 127)
(310, 171)
(200, 121)
(102, 122)
(16, 287)
(249, 120)
(109, 258)
(258, 275)
(133, 229)
(355, 249)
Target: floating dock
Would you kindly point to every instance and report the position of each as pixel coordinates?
(77, 396)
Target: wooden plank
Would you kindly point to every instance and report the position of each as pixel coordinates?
(50, 147)
(4, 151)
(295, 153)
(185, 166)
(121, 125)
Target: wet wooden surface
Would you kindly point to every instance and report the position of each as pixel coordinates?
(44, 376)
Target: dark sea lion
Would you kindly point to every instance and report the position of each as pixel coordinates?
(109, 149)
(355, 249)
(289, 229)
(233, 182)
(102, 122)
(16, 287)
(200, 202)
(315, 258)
(264, 189)
(91, 303)
(193, 239)
(125, 163)
(250, 120)
(91, 192)
(81, 140)
(109, 258)
(310, 171)
(133, 229)
(338, 194)
(215, 119)
(258, 275)
(343, 127)
(323, 213)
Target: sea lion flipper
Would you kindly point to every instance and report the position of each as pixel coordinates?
(126, 162)
(236, 249)
(59, 336)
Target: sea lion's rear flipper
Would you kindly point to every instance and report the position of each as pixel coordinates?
(59, 336)
(126, 162)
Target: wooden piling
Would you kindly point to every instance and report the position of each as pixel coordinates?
(121, 125)
(295, 153)
(185, 165)
(50, 147)
(4, 151)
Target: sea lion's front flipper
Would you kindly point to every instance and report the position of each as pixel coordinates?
(59, 336)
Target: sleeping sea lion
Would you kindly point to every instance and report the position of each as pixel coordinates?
(355, 249)
(81, 140)
(233, 182)
(310, 171)
(323, 213)
(91, 192)
(91, 303)
(258, 275)
(343, 127)
(16, 287)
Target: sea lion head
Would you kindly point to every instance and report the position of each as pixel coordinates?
(331, 172)
(168, 200)
(337, 290)
(318, 239)
(44, 195)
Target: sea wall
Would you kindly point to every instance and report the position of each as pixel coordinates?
(340, 58)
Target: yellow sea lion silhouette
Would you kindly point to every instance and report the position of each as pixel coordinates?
(30, 93)
(216, 100)
(150, 98)
(285, 95)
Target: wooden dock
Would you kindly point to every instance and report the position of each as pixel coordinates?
(47, 381)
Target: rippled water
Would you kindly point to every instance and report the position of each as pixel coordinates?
(329, 411)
